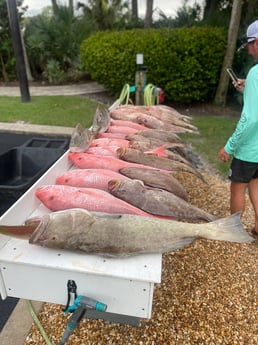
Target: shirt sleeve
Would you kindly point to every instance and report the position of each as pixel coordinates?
(248, 118)
(235, 138)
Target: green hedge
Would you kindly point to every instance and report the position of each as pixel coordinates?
(184, 62)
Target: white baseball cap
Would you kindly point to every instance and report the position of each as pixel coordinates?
(251, 34)
(252, 31)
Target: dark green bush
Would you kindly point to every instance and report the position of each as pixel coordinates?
(184, 62)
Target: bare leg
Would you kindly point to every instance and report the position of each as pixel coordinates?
(253, 194)
(237, 197)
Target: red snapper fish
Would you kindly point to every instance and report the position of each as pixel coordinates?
(121, 129)
(61, 197)
(134, 125)
(89, 178)
(103, 142)
(103, 151)
(88, 161)
(125, 115)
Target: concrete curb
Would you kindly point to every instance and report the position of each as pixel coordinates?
(56, 90)
(19, 324)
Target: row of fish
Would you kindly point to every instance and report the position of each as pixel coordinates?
(131, 181)
(121, 198)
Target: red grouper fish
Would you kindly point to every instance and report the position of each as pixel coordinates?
(60, 197)
(89, 178)
(87, 161)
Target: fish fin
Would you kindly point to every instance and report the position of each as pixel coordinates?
(17, 230)
(226, 229)
(160, 151)
(180, 243)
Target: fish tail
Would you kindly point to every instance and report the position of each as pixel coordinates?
(227, 229)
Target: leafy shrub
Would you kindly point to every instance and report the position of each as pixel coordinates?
(53, 72)
(184, 62)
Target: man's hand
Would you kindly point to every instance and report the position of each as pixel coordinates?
(240, 85)
(223, 155)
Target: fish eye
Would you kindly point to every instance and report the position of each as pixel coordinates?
(51, 197)
(66, 180)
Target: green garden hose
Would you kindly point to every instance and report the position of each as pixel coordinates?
(38, 323)
(151, 95)
(124, 95)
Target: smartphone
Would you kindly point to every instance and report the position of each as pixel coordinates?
(232, 75)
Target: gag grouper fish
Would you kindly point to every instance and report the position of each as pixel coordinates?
(125, 235)
(156, 201)
(136, 156)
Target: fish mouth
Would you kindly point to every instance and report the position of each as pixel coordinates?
(120, 151)
(38, 234)
(112, 184)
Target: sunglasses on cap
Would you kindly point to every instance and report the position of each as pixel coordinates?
(246, 41)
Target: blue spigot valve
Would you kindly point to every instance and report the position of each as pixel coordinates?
(87, 303)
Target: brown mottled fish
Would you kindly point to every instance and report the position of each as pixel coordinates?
(160, 134)
(156, 201)
(127, 235)
(163, 150)
(156, 179)
(136, 156)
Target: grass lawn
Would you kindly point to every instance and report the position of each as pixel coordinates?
(48, 110)
(214, 132)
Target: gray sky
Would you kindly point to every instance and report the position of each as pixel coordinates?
(168, 7)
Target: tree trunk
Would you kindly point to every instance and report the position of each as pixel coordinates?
(135, 10)
(148, 16)
(209, 8)
(221, 93)
(54, 7)
(71, 6)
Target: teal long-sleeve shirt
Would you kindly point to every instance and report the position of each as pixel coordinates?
(243, 144)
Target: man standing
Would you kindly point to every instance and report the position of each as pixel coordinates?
(243, 144)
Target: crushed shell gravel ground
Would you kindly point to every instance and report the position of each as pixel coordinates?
(208, 294)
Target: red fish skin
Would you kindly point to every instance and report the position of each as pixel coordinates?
(103, 142)
(160, 151)
(134, 125)
(87, 161)
(121, 129)
(60, 197)
(89, 178)
(103, 151)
